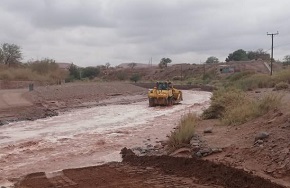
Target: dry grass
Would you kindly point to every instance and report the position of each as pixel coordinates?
(25, 74)
(239, 114)
(250, 109)
(282, 76)
(281, 86)
(183, 133)
(222, 100)
(255, 81)
(233, 107)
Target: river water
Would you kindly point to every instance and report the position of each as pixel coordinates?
(91, 136)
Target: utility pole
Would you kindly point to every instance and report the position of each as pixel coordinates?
(181, 72)
(272, 35)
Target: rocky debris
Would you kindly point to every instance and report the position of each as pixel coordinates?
(261, 136)
(208, 130)
(196, 141)
(149, 150)
(126, 153)
(197, 148)
(2, 122)
(259, 142)
(200, 148)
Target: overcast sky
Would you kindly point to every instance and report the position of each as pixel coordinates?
(93, 32)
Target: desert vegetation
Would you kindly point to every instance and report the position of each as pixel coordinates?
(231, 104)
(183, 132)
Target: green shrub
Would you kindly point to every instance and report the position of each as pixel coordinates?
(281, 86)
(183, 133)
(90, 72)
(135, 77)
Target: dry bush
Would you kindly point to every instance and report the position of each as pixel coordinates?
(268, 102)
(25, 74)
(240, 114)
(221, 100)
(255, 81)
(233, 107)
(282, 76)
(250, 109)
(6, 75)
(281, 86)
(239, 75)
(58, 74)
(183, 133)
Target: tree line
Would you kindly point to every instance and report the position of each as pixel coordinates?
(242, 55)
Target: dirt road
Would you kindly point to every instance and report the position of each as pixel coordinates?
(89, 136)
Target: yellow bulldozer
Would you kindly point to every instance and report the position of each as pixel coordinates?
(164, 94)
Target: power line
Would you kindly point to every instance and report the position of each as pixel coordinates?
(272, 35)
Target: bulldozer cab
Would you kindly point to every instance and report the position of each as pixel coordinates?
(163, 85)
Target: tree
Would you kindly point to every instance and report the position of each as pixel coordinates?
(238, 55)
(258, 54)
(90, 72)
(107, 65)
(135, 77)
(74, 72)
(286, 60)
(211, 60)
(164, 61)
(10, 54)
(132, 65)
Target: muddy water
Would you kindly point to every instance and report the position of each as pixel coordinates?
(88, 136)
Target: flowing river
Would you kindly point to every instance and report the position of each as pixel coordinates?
(90, 136)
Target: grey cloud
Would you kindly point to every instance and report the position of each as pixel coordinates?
(52, 14)
(116, 31)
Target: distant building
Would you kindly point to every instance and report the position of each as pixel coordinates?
(64, 66)
(225, 69)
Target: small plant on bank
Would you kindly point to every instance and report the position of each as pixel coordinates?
(183, 133)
